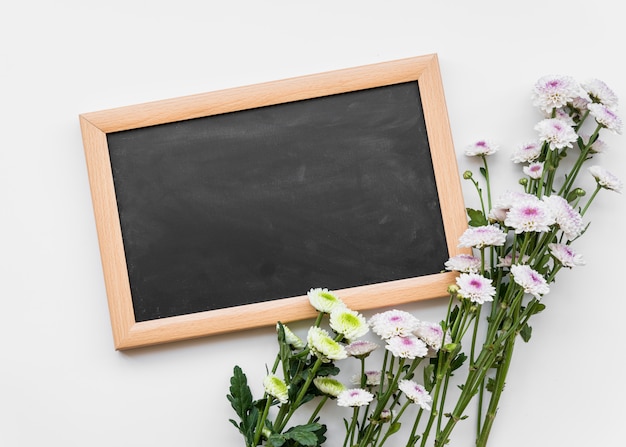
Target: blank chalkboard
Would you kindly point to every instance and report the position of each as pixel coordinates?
(224, 219)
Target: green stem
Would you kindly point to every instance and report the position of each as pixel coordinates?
(259, 426)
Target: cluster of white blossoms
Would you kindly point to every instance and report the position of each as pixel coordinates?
(405, 337)
(566, 105)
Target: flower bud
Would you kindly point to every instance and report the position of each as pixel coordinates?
(580, 192)
(453, 289)
(467, 175)
(523, 181)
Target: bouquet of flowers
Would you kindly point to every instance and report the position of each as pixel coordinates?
(518, 243)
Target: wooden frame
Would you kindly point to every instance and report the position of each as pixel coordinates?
(95, 126)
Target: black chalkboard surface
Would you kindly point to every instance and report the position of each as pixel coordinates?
(244, 207)
(217, 212)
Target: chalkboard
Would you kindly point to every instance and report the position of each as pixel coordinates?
(224, 219)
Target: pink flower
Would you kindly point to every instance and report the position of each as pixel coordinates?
(475, 287)
(556, 133)
(565, 255)
(408, 347)
(481, 147)
(530, 280)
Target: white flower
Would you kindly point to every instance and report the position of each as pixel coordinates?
(530, 215)
(531, 281)
(552, 92)
(349, 323)
(416, 393)
(463, 263)
(600, 92)
(475, 287)
(565, 255)
(606, 179)
(527, 152)
(534, 170)
(393, 323)
(323, 300)
(274, 386)
(361, 348)
(432, 334)
(556, 133)
(504, 203)
(355, 397)
(563, 115)
(291, 338)
(408, 347)
(567, 218)
(329, 386)
(507, 261)
(481, 147)
(483, 236)
(372, 378)
(606, 117)
(323, 346)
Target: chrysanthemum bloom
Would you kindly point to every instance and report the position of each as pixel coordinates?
(355, 397)
(606, 179)
(534, 170)
(361, 348)
(565, 255)
(504, 203)
(393, 323)
(372, 378)
(432, 334)
(567, 218)
(606, 117)
(600, 92)
(484, 236)
(556, 133)
(481, 147)
(552, 92)
(463, 263)
(529, 216)
(323, 300)
(526, 152)
(328, 386)
(416, 393)
(507, 261)
(409, 347)
(349, 323)
(531, 281)
(475, 287)
(274, 386)
(323, 346)
(386, 415)
(563, 115)
(291, 338)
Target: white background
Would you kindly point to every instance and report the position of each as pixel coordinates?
(61, 381)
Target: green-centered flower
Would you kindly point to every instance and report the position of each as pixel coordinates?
(324, 301)
(328, 386)
(292, 339)
(274, 386)
(323, 346)
(349, 323)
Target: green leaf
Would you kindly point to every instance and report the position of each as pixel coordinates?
(526, 332)
(477, 218)
(240, 396)
(458, 362)
(395, 427)
(304, 435)
(240, 399)
(276, 440)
